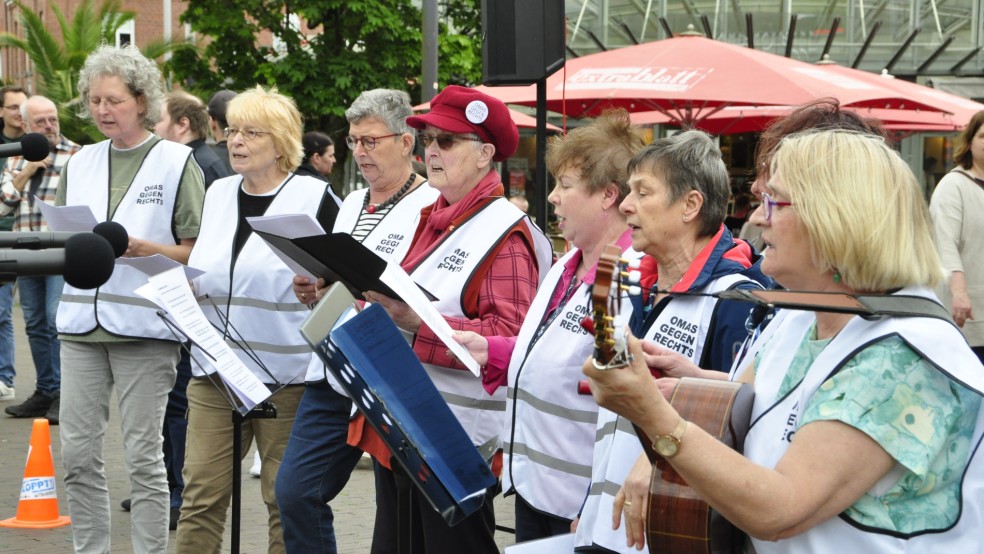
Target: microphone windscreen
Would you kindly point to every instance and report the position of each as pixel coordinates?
(34, 147)
(115, 234)
(89, 261)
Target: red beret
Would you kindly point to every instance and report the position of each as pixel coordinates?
(464, 110)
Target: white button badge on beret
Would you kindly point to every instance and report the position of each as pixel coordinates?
(476, 111)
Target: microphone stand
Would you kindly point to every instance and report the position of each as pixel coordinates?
(263, 410)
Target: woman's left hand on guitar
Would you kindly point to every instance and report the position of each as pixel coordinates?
(668, 363)
(632, 501)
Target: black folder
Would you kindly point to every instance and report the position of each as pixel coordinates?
(337, 258)
(375, 365)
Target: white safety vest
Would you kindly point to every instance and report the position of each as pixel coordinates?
(254, 290)
(446, 272)
(549, 430)
(390, 240)
(146, 211)
(682, 326)
(933, 339)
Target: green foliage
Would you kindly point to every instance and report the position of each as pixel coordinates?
(57, 64)
(359, 46)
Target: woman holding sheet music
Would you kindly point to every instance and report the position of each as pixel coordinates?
(318, 461)
(111, 338)
(865, 432)
(246, 294)
(486, 258)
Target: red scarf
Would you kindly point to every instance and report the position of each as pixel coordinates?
(438, 219)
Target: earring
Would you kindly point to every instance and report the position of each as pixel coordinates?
(837, 277)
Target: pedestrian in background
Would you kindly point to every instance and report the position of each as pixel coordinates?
(24, 185)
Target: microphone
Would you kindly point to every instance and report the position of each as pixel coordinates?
(33, 146)
(109, 230)
(86, 261)
(115, 234)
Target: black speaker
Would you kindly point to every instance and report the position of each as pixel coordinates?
(522, 40)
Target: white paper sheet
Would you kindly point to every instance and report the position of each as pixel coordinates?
(289, 226)
(158, 263)
(171, 291)
(401, 283)
(68, 219)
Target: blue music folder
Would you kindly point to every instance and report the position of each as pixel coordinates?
(387, 383)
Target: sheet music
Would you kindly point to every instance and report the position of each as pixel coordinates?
(290, 226)
(401, 283)
(69, 219)
(158, 263)
(171, 291)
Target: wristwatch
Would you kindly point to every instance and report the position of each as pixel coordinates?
(667, 446)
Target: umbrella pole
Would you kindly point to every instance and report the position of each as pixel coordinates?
(541, 153)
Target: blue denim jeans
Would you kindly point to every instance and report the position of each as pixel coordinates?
(7, 333)
(39, 298)
(315, 468)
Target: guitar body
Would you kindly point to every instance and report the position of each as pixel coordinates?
(679, 522)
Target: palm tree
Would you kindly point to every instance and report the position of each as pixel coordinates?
(57, 65)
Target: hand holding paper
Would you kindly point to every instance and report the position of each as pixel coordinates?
(397, 279)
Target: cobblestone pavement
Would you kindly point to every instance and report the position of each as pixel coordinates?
(354, 508)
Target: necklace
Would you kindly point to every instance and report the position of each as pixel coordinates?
(373, 208)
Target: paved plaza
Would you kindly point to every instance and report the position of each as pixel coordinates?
(354, 508)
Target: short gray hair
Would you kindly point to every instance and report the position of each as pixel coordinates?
(690, 161)
(140, 75)
(392, 107)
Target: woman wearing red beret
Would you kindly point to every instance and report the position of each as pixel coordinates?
(486, 258)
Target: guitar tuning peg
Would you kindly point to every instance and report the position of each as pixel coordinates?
(634, 263)
(631, 290)
(633, 276)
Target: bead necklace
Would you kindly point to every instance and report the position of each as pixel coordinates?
(373, 208)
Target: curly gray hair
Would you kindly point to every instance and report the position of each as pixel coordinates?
(141, 76)
(392, 107)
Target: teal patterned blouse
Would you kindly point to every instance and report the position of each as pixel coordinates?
(915, 412)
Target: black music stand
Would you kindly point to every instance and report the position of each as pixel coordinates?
(375, 365)
(240, 413)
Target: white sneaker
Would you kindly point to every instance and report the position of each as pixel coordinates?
(6, 392)
(255, 470)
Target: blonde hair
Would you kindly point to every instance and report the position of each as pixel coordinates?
(278, 114)
(861, 207)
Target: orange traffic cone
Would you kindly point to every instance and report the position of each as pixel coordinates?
(38, 506)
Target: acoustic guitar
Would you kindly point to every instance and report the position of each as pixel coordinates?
(678, 521)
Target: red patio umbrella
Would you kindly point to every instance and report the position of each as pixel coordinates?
(754, 119)
(691, 77)
(961, 108)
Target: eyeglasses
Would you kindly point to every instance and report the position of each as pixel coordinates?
(248, 134)
(95, 101)
(768, 203)
(444, 141)
(369, 143)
